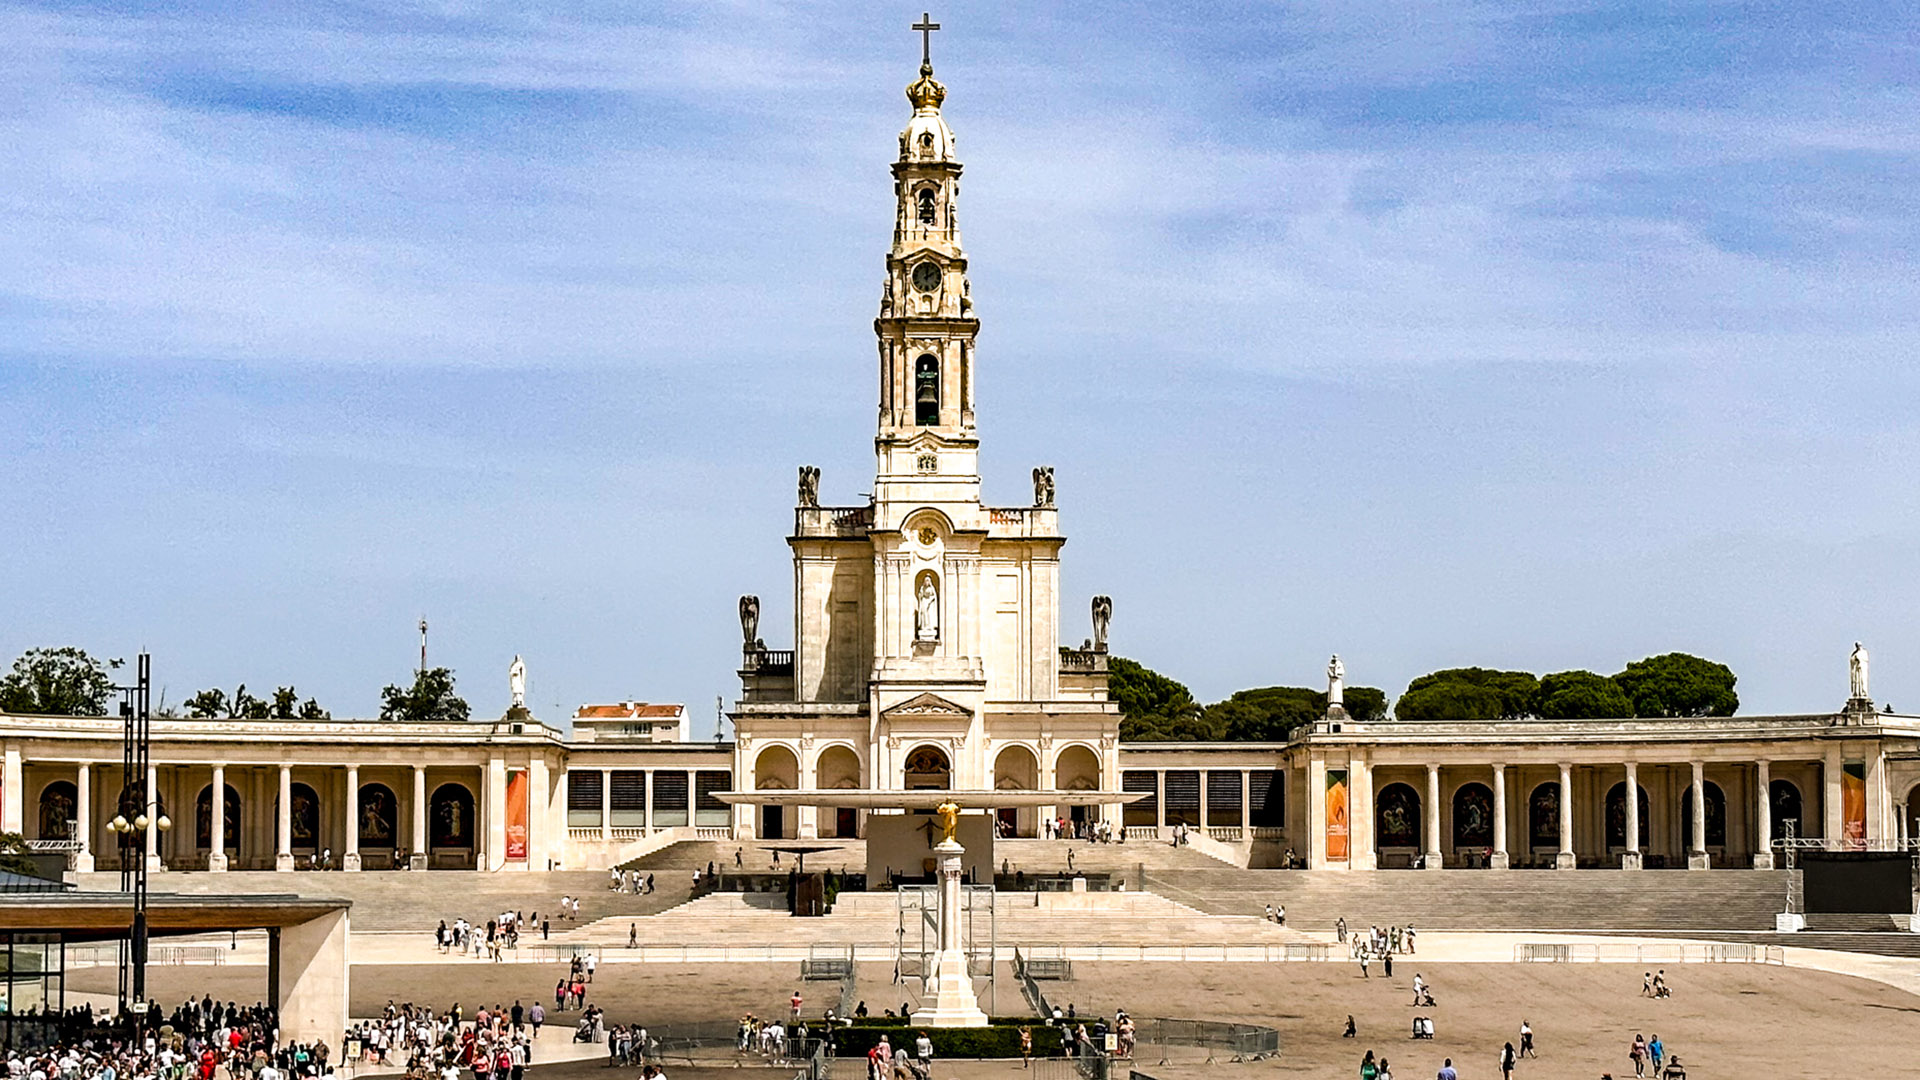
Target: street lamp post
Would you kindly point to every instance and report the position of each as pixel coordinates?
(136, 725)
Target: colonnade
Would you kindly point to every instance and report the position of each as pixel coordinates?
(1587, 802)
(286, 813)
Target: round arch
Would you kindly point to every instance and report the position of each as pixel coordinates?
(1543, 816)
(1716, 817)
(776, 768)
(203, 819)
(1913, 812)
(1016, 768)
(450, 818)
(377, 815)
(927, 767)
(1617, 816)
(1396, 817)
(837, 766)
(1076, 768)
(59, 803)
(1473, 816)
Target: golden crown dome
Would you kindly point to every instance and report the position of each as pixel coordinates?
(925, 93)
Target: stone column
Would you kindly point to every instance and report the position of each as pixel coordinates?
(1632, 858)
(283, 848)
(606, 807)
(1160, 801)
(497, 812)
(693, 798)
(13, 792)
(648, 776)
(217, 853)
(1697, 858)
(538, 855)
(152, 809)
(1203, 800)
(1500, 858)
(1433, 860)
(1878, 799)
(951, 1002)
(1316, 802)
(1831, 808)
(1565, 860)
(1763, 815)
(351, 859)
(808, 817)
(1361, 853)
(417, 857)
(1246, 803)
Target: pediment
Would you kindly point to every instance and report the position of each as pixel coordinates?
(928, 705)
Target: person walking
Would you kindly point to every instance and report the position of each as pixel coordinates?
(1526, 1040)
(1646, 984)
(1386, 964)
(1507, 1060)
(1363, 964)
(1446, 1072)
(1368, 1069)
(1026, 1047)
(1638, 1053)
(1655, 1051)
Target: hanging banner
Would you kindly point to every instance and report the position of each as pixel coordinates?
(1853, 803)
(517, 816)
(1337, 814)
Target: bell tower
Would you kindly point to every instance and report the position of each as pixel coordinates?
(926, 446)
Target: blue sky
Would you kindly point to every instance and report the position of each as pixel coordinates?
(1539, 335)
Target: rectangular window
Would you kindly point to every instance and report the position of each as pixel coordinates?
(1223, 797)
(708, 810)
(669, 798)
(1269, 809)
(629, 798)
(1183, 797)
(583, 798)
(1147, 810)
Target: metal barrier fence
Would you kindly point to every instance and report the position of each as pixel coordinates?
(107, 954)
(1712, 952)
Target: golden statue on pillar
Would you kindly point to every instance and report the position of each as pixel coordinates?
(949, 815)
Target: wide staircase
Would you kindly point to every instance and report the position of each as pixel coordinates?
(402, 900)
(739, 920)
(1655, 901)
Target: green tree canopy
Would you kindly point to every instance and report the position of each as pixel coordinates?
(57, 682)
(1265, 714)
(1154, 708)
(1677, 684)
(1364, 702)
(431, 698)
(208, 705)
(1469, 694)
(1581, 695)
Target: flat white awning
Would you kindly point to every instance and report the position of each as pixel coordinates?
(924, 798)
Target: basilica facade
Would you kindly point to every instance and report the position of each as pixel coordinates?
(926, 664)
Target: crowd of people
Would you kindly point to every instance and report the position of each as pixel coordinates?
(198, 1039)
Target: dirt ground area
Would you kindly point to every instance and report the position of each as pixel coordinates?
(1731, 1020)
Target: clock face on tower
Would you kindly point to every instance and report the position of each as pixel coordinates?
(926, 277)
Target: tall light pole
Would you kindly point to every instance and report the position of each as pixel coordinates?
(136, 725)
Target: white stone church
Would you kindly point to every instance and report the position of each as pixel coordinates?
(926, 658)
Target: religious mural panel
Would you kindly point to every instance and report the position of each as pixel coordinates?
(450, 824)
(1543, 816)
(1397, 817)
(1473, 816)
(377, 815)
(1336, 813)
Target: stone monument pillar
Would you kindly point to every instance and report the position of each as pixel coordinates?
(951, 1002)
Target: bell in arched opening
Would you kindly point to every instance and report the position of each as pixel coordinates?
(926, 395)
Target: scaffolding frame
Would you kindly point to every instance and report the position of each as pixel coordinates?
(919, 905)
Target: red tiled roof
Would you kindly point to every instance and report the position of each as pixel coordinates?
(629, 710)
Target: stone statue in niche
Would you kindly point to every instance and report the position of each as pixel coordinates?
(809, 485)
(517, 682)
(926, 609)
(749, 619)
(1102, 615)
(966, 297)
(886, 299)
(1336, 683)
(1043, 485)
(1857, 673)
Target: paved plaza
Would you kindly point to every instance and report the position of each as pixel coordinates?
(1726, 1020)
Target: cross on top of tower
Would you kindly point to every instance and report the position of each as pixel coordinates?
(926, 26)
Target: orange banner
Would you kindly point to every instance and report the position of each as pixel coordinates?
(517, 816)
(1336, 813)
(1853, 803)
